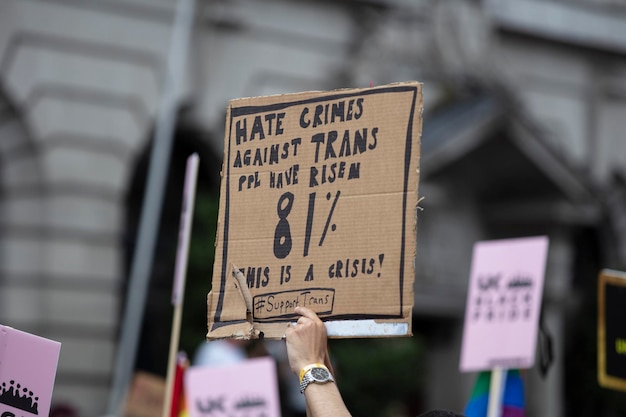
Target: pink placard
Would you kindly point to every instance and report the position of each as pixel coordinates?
(246, 389)
(28, 366)
(503, 303)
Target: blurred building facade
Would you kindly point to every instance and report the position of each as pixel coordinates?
(523, 135)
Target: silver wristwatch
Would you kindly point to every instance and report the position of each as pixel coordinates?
(317, 373)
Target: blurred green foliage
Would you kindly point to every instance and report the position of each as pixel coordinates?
(379, 377)
(199, 270)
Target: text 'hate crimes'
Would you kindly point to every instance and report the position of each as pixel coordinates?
(271, 124)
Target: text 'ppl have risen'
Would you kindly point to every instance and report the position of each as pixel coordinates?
(267, 132)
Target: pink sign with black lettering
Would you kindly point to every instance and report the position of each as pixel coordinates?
(28, 365)
(504, 303)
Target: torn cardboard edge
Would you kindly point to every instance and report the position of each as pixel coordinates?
(243, 290)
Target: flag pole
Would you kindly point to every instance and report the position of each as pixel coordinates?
(151, 207)
(496, 391)
(180, 272)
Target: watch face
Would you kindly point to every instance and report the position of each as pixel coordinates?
(319, 374)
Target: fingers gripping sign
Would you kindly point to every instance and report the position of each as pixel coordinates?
(306, 340)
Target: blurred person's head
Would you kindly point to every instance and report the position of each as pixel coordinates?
(440, 413)
(63, 410)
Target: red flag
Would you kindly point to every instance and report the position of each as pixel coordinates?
(179, 408)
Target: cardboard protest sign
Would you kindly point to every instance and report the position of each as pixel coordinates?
(28, 366)
(145, 398)
(612, 329)
(246, 389)
(317, 209)
(503, 303)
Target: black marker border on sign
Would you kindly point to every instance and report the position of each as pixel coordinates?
(607, 278)
(247, 110)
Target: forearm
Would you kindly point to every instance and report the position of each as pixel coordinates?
(308, 351)
(324, 400)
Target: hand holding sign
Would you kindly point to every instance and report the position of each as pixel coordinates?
(306, 341)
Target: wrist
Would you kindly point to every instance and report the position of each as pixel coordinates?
(314, 373)
(304, 369)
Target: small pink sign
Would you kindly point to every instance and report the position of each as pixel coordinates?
(246, 389)
(28, 366)
(503, 303)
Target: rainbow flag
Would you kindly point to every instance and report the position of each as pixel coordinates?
(513, 399)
